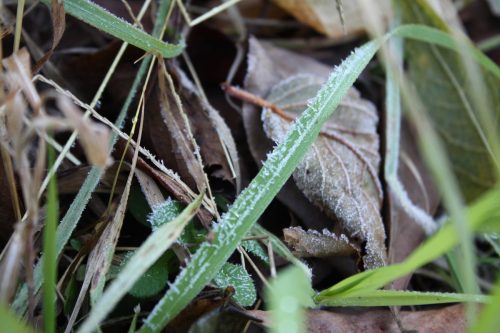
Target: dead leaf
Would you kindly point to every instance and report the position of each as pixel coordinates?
(448, 319)
(185, 147)
(339, 172)
(69, 181)
(323, 15)
(312, 243)
(265, 69)
(151, 190)
(217, 145)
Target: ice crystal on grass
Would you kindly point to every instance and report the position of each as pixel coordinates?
(163, 213)
(236, 276)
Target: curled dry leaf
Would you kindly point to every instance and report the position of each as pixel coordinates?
(325, 15)
(312, 243)
(339, 172)
(58, 26)
(172, 111)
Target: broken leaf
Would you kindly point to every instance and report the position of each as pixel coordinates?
(312, 243)
(339, 172)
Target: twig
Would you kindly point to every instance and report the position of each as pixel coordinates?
(256, 100)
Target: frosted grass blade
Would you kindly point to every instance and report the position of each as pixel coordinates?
(100, 18)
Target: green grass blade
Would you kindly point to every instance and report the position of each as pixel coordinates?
(485, 211)
(437, 37)
(489, 320)
(152, 249)
(287, 296)
(10, 323)
(50, 253)
(401, 298)
(250, 204)
(101, 19)
(72, 216)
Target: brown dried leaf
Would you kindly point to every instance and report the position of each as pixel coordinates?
(312, 243)
(323, 15)
(448, 319)
(217, 145)
(339, 172)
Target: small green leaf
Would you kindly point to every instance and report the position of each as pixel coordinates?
(254, 247)
(153, 281)
(288, 294)
(232, 275)
(164, 212)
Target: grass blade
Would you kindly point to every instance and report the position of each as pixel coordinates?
(100, 18)
(10, 323)
(144, 257)
(489, 320)
(484, 212)
(50, 253)
(401, 298)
